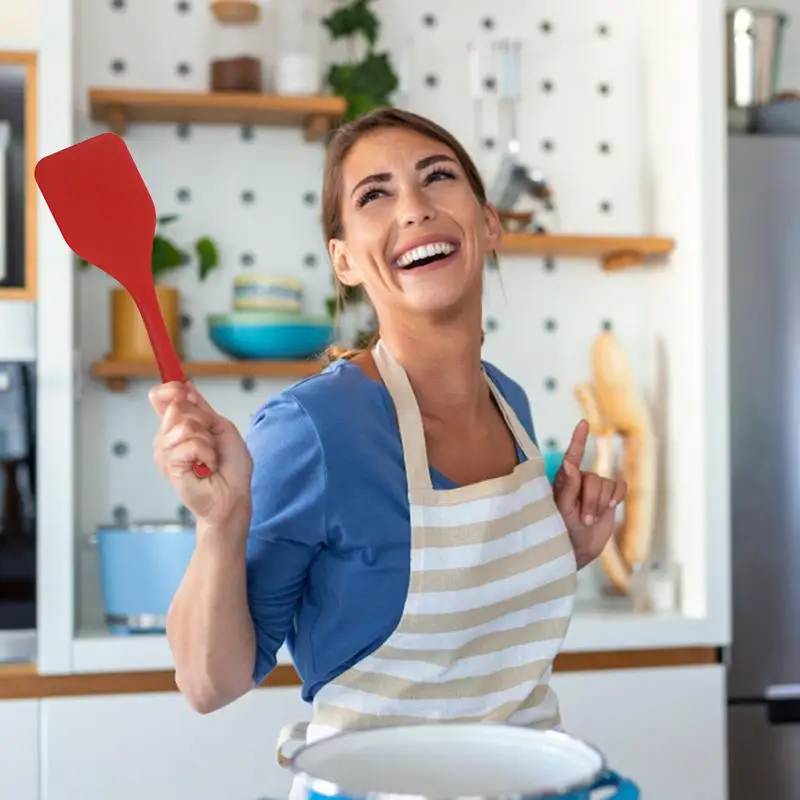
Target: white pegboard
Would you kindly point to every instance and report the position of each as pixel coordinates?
(582, 123)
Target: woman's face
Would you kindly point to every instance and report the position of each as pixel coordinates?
(415, 235)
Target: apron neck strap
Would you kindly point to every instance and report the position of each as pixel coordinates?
(409, 420)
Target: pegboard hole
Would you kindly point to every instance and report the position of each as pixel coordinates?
(310, 260)
(549, 264)
(550, 325)
(604, 89)
(489, 83)
(548, 145)
(183, 195)
(118, 5)
(183, 68)
(606, 206)
(604, 148)
(431, 81)
(429, 20)
(183, 131)
(488, 143)
(248, 197)
(551, 443)
(248, 384)
(310, 198)
(186, 322)
(120, 449)
(603, 30)
(547, 86)
(606, 325)
(247, 133)
(487, 23)
(247, 259)
(550, 384)
(546, 27)
(491, 325)
(118, 66)
(183, 6)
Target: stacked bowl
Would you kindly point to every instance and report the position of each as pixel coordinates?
(267, 321)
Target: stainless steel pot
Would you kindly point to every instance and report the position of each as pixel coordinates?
(754, 42)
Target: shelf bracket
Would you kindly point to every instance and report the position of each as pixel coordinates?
(117, 121)
(315, 127)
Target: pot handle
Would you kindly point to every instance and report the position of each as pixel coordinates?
(290, 734)
(626, 789)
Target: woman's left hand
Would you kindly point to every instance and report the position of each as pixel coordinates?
(586, 501)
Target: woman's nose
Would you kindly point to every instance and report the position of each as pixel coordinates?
(415, 209)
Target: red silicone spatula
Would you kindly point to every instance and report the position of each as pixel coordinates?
(107, 217)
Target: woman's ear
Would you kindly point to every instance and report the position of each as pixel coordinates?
(494, 228)
(342, 267)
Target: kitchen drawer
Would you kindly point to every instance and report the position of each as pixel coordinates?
(153, 745)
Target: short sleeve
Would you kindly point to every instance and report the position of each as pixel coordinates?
(288, 521)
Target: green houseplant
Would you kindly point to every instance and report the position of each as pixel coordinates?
(129, 341)
(366, 80)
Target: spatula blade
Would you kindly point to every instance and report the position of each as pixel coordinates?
(101, 205)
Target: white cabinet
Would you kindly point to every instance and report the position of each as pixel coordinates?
(19, 749)
(130, 747)
(663, 728)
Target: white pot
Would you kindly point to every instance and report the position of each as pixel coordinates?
(446, 761)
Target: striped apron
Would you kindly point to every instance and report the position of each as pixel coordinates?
(490, 596)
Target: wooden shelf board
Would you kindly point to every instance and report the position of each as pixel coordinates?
(117, 374)
(120, 107)
(615, 252)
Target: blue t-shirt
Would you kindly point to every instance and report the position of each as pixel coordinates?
(329, 549)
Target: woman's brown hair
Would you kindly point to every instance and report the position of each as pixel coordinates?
(343, 141)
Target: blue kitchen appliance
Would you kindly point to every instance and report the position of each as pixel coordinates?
(141, 566)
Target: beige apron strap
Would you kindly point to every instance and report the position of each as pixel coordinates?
(512, 420)
(290, 734)
(412, 434)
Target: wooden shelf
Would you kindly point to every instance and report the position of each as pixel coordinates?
(119, 108)
(117, 374)
(614, 252)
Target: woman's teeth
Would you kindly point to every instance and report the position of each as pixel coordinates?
(425, 254)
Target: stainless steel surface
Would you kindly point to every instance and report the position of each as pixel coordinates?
(764, 192)
(763, 757)
(138, 622)
(754, 41)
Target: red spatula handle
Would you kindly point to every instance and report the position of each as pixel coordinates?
(169, 365)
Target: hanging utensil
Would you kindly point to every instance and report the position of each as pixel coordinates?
(107, 217)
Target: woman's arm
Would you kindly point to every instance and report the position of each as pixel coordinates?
(240, 593)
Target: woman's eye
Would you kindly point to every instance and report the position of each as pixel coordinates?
(439, 175)
(370, 194)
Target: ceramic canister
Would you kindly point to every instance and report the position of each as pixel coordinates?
(448, 761)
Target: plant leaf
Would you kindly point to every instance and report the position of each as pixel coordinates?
(207, 256)
(166, 219)
(167, 256)
(374, 78)
(352, 19)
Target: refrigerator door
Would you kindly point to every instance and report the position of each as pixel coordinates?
(764, 296)
(763, 757)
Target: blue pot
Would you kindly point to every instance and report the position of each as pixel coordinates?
(264, 335)
(141, 567)
(480, 760)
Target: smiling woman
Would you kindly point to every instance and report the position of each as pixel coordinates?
(390, 518)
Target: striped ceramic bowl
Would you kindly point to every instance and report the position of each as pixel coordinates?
(260, 292)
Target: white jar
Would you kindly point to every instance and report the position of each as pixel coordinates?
(297, 65)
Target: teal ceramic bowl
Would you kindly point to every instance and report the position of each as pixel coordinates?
(261, 335)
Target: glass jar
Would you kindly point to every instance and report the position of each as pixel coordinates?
(297, 62)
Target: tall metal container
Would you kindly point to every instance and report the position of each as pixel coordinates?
(754, 39)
